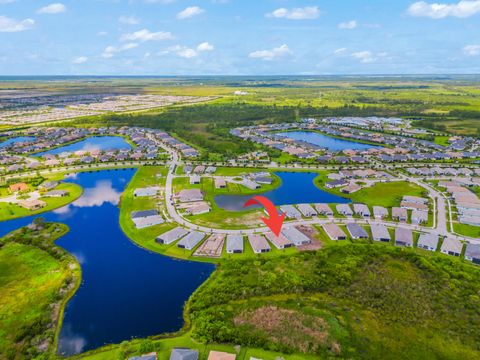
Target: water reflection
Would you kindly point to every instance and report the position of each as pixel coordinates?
(126, 291)
(72, 343)
(326, 141)
(102, 193)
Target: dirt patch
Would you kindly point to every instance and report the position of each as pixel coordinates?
(313, 235)
(298, 331)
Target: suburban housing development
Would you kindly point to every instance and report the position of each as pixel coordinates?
(147, 206)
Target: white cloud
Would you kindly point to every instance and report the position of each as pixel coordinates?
(189, 12)
(472, 50)
(186, 52)
(205, 46)
(364, 56)
(102, 33)
(80, 60)
(7, 1)
(55, 8)
(128, 20)
(146, 35)
(462, 9)
(271, 54)
(11, 25)
(340, 51)
(349, 25)
(112, 50)
(305, 13)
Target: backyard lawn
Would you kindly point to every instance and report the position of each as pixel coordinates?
(12, 211)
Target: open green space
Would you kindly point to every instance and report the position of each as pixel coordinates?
(36, 279)
(387, 194)
(9, 211)
(467, 230)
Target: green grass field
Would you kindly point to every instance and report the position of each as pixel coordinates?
(387, 194)
(13, 211)
(32, 271)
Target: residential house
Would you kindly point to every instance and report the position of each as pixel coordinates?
(334, 232)
(307, 210)
(296, 236)
(258, 243)
(379, 212)
(451, 247)
(183, 354)
(195, 179)
(380, 233)
(234, 244)
(403, 237)
(323, 209)
(344, 209)
(291, 212)
(419, 217)
(361, 209)
(171, 235)
(146, 218)
(32, 204)
(199, 169)
(351, 188)
(280, 242)
(220, 183)
(472, 253)
(399, 214)
(428, 242)
(356, 231)
(335, 183)
(191, 240)
(190, 195)
(56, 193)
(18, 187)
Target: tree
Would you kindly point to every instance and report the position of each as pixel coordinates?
(39, 223)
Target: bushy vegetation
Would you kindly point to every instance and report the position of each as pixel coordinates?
(360, 301)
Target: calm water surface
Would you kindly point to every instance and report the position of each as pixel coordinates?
(296, 188)
(92, 143)
(15, 140)
(326, 141)
(126, 291)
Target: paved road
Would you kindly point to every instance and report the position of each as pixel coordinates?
(440, 201)
(439, 228)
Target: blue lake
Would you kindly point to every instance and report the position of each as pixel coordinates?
(16, 140)
(126, 291)
(92, 143)
(296, 188)
(326, 141)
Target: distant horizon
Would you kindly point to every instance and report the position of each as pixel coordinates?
(242, 76)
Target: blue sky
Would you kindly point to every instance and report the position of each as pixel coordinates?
(238, 37)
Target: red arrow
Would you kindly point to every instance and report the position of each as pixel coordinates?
(275, 222)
